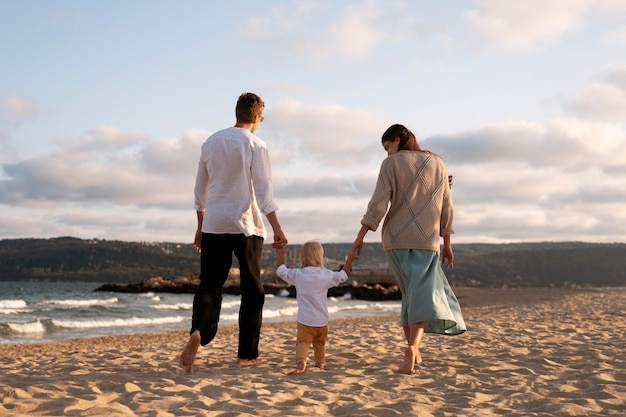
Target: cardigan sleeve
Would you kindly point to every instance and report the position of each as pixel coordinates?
(379, 203)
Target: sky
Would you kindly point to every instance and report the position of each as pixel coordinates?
(104, 106)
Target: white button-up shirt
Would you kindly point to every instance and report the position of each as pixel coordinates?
(234, 183)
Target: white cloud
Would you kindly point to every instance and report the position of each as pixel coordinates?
(331, 135)
(602, 100)
(306, 30)
(568, 144)
(101, 138)
(525, 25)
(19, 107)
(107, 165)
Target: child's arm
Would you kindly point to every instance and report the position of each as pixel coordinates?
(347, 266)
(280, 256)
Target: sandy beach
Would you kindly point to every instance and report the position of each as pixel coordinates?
(527, 352)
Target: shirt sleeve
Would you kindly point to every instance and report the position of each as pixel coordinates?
(201, 188)
(339, 277)
(286, 274)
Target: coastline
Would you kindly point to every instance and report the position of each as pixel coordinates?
(527, 352)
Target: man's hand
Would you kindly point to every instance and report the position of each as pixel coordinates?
(197, 241)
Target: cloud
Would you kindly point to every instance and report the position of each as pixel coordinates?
(331, 135)
(19, 107)
(603, 100)
(357, 30)
(14, 110)
(568, 144)
(107, 165)
(103, 138)
(175, 156)
(514, 181)
(324, 186)
(529, 24)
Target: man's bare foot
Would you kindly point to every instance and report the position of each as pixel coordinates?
(250, 362)
(300, 367)
(188, 356)
(409, 361)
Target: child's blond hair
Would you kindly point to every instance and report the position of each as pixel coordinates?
(312, 254)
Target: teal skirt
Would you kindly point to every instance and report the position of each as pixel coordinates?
(426, 293)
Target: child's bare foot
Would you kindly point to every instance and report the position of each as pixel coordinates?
(410, 357)
(250, 362)
(300, 367)
(188, 356)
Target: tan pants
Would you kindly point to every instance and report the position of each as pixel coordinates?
(308, 336)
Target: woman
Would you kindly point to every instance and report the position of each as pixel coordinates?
(413, 195)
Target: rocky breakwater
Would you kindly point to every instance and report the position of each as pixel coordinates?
(188, 284)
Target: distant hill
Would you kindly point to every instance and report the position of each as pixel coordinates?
(543, 264)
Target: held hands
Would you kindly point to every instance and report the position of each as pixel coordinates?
(356, 248)
(280, 240)
(280, 255)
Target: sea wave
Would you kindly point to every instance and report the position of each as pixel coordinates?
(177, 306)
(132, 321)
(13, 304)
(26, 328)
(81, 303)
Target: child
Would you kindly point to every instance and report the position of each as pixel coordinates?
(312, 282)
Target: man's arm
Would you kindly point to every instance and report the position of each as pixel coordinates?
(280, 240)
(197, 241)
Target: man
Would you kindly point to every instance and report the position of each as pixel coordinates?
(233, 190)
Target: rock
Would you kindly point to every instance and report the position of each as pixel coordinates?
(188, 284)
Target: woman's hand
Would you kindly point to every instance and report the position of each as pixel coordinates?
(447, 257)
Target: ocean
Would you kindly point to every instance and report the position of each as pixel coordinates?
(36, 312)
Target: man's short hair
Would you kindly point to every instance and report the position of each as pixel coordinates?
(249, 105)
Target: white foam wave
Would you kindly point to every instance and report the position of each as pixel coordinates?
(8, 311)
(81, 303)
(12, 304)
(133, 321)
(231, 304)
(27, 328)
(150, 295)
(291, 311)
(177, 306)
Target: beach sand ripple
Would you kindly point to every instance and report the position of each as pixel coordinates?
(534, 352)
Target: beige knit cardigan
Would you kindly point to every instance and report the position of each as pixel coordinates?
(413, 195)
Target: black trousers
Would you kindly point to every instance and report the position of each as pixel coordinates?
(215, 262)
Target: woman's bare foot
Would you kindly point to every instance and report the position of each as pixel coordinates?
(410, 357)
(300, 367)
(250, 362)
(418, 358)
(188, 356)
